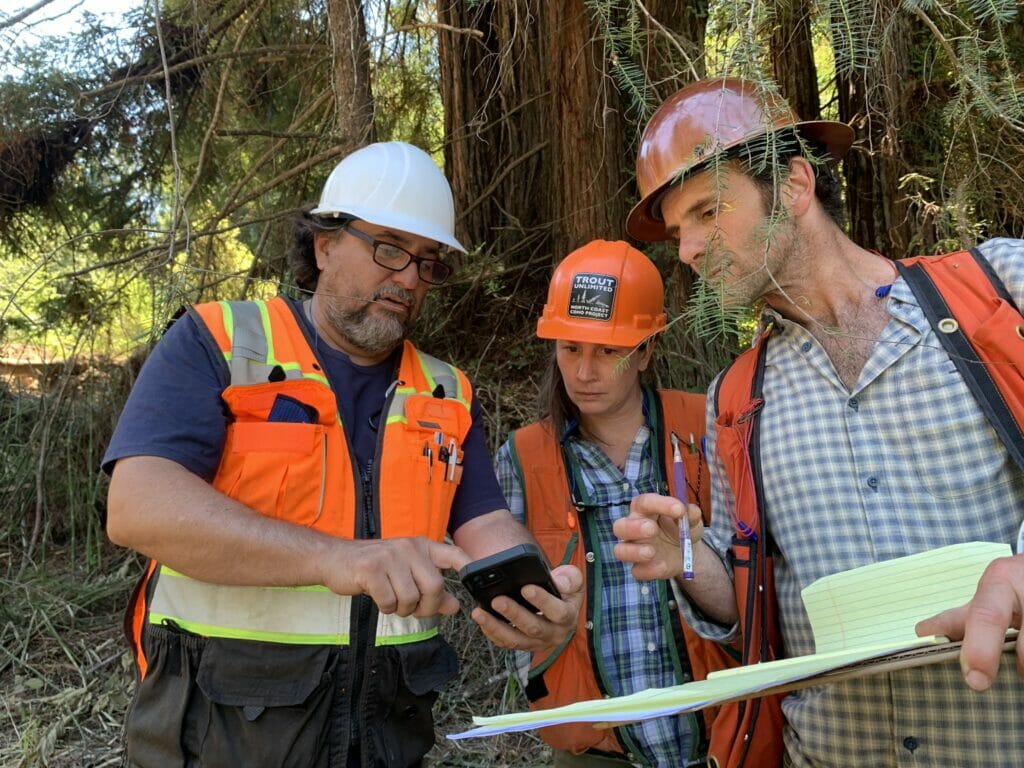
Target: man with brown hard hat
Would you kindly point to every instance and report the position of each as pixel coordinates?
(875, 417)
(292, 468)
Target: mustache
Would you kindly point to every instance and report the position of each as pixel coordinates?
(394, 291)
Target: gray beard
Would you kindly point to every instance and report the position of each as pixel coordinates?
(373, 334)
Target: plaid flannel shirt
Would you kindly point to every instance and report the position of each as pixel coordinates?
(633, 644)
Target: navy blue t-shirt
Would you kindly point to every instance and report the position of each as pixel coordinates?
(175, 412)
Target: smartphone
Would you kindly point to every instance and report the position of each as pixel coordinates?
(506, 573)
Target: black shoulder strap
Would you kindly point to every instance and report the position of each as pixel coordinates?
(973, 370)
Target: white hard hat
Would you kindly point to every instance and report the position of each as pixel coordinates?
(392, 184)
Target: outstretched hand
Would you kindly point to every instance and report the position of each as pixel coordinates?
(546, 627)
(402, 576)
(997, 605)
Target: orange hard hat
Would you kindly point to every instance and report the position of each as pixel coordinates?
(604, 293)
(700, 122)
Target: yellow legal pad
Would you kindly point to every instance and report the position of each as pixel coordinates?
(864, 614)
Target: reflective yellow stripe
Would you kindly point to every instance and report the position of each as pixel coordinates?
(300, 615)
(229, 321)
(434, 369)
(267, 333)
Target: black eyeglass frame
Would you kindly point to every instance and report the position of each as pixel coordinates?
(418, 260)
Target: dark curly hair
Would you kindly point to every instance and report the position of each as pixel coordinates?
(765, 160)
(302, 256)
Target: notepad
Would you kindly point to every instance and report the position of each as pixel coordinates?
(865, 613)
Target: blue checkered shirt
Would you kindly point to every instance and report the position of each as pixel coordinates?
(634, 645)
(902, 463)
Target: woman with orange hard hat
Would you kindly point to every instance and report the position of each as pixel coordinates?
(606, 436)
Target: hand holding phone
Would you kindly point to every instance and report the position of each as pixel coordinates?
(505, 573)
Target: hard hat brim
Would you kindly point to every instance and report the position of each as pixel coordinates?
(558, 329)
(646, 225)
(393, 220)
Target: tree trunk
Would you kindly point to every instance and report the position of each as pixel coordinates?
(872, 99)
(353, 98)
(542, 125)
(589, 148)
(494, 89)
(792, 54)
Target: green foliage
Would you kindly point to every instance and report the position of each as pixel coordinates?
(618, 25)
(1002, 11)
(405, 80)
(855, 34)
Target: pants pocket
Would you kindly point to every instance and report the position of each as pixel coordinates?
(264, 705)
(220, 703)
(156, 719)
(409, 678)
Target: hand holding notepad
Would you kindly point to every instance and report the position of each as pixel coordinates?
(866, 613)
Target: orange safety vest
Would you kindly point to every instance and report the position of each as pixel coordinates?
(572, 671)
(975, 319)
(299, 470)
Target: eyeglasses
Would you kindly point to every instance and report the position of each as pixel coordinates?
(395, 258)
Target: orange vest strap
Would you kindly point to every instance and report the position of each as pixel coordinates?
(980, 327)
(748, 729)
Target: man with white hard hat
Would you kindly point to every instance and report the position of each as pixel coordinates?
(292, 468)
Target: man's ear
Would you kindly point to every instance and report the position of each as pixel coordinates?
(798, 187)
(320, 242)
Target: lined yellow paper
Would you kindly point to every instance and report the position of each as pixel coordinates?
(865, 613)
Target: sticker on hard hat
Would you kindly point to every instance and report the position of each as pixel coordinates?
(592, 296)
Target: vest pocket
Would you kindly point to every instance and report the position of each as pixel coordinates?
(277, 469)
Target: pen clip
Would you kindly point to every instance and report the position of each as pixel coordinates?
(429, 453)
(676, 455)
(453, 455)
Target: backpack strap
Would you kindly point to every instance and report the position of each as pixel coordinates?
(949, 326)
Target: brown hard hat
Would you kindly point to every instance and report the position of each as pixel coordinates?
(604, 293)
(699, 122)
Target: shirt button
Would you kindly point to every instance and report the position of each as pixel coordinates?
(910, 743)
(673, 605)
(651, 647)
(590, 557)
(590, 626)
(805, 347)
(644, 590)
(853, 403)
(873, 483)
(625, 485)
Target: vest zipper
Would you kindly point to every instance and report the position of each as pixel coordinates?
(364, 608)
